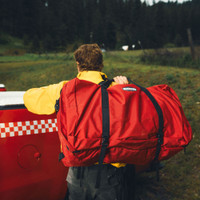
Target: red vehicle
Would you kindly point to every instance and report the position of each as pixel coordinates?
(29, 149)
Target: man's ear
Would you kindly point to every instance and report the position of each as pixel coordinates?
(78, 68)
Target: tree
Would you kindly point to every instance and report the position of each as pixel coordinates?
(112, 22)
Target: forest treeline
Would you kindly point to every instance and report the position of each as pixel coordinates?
(54, 25)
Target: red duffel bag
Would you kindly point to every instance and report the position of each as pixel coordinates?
(119, 124)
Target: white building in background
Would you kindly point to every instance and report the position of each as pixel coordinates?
(125, 47)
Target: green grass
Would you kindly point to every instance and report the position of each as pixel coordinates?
(180, 178)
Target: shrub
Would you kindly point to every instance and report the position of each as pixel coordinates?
(14, 52)
(170, 57)
(169, 45)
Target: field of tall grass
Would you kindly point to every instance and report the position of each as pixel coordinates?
(180, 178)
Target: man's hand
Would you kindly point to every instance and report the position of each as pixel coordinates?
(121, 79)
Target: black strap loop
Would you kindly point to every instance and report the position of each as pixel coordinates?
(106, 83)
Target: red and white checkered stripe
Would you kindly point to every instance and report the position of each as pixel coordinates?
(11, 129)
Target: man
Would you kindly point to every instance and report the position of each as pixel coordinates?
(81, 180)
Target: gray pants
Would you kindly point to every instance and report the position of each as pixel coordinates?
(115, 183)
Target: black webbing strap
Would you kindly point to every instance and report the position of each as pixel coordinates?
(161, 124)
(61, 156)
(105, 126)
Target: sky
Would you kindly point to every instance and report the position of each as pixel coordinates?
(149, 2)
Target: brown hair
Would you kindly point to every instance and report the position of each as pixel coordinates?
(89, 57)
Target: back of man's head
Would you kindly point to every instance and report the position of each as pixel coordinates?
(89, 57)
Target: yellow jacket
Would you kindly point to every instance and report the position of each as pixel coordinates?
(42, 100)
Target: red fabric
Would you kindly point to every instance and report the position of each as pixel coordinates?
(133, 124)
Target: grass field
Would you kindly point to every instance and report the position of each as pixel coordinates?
(180, 178)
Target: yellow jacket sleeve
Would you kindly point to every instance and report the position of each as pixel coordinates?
(42, 100)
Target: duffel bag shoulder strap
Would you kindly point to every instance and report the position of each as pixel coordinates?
(161, 125)
(105, 126)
